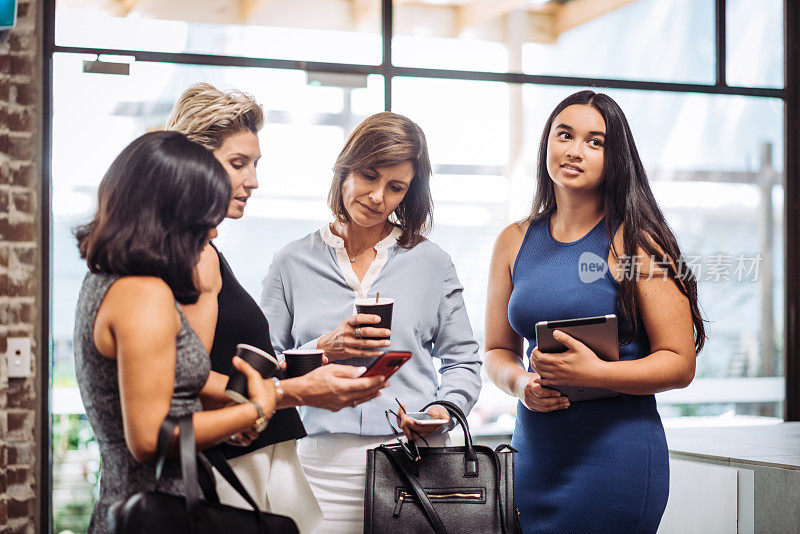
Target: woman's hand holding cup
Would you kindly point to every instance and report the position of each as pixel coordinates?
(354, 337)
(261, 391)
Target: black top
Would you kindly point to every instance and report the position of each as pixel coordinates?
(240, 320)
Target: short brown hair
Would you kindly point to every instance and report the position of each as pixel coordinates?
(383, 140)
(208, 116)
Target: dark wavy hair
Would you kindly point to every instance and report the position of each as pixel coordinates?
(383, 140)
(155, 206)
(625, 197)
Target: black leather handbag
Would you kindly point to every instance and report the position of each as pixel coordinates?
(446, 490)
(155, 512)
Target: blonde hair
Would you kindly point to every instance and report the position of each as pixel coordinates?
(208, 116)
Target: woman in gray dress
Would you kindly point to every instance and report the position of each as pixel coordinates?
(137, 359)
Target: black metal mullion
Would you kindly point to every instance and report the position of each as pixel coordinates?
(575, 81)
(390, 71)
(720, 16)
(214, 60)
(792, 209)
(45, 482)
(387, 29)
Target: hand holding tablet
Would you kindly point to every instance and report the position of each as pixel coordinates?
(598, 333)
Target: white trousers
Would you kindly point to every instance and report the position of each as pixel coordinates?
(336, 468)
(274, 478)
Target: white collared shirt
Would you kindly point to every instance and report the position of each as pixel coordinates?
(360, 288)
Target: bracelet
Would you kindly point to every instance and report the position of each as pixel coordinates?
(261, 422)
(278, 389)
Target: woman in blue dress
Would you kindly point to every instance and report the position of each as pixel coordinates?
(599, 465)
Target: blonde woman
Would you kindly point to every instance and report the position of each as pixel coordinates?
(227, 124)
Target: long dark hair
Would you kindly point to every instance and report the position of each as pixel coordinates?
(155, 206)
(625, 197)
(383, 140)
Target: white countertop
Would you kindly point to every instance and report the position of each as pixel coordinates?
(774, 445)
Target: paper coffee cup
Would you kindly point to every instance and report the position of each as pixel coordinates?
(302, 361)
(261, 361)
(382, 308)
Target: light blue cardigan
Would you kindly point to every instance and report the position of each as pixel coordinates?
(310, 288)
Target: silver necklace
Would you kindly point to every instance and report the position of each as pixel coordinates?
(353, 256)
(363, 250)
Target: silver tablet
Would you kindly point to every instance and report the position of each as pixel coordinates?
(597, 333)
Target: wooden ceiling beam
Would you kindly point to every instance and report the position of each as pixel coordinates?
(248, 7)
(123, 7)
(364, 12)
(478, 11)
(577, 12)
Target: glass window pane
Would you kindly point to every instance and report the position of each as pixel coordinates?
(661, 40)
(438, 35)
(306, 127)
(755, 43)
(469, 147)
(308, 30)
(715, 164)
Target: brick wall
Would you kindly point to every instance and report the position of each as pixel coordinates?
(20, 264)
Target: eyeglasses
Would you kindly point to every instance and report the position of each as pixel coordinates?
(409, 447)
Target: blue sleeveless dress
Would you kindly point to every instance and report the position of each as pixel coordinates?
(598, 466)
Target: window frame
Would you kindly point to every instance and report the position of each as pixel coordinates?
(790, 95)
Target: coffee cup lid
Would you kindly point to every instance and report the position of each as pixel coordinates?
(303, 352)
(257, 351)
(371, 302)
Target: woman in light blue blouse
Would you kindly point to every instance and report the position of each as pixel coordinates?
(380, 198)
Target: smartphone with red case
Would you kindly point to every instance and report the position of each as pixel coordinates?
(387, 364)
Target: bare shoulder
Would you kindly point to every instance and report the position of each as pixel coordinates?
(618, 243)
(142, 289)
(649, 265)
(508, 244)
(143, 300)
(511, 236)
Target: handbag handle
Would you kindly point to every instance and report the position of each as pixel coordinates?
(419, 491)
(164, 436)
(188, 454)
(470, 456)
(215, 458)
(187, 449)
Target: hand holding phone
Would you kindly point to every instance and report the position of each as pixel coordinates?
(424, 418)
(421, 424)
(387, 364)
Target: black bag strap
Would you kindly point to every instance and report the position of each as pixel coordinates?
(470, 456)
(496, 462)
(187, 449)
(216, 458)
(419, 491)
(188, 453)
(205, 478)
(164, 437)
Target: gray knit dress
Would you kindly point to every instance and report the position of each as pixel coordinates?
(120, 474)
